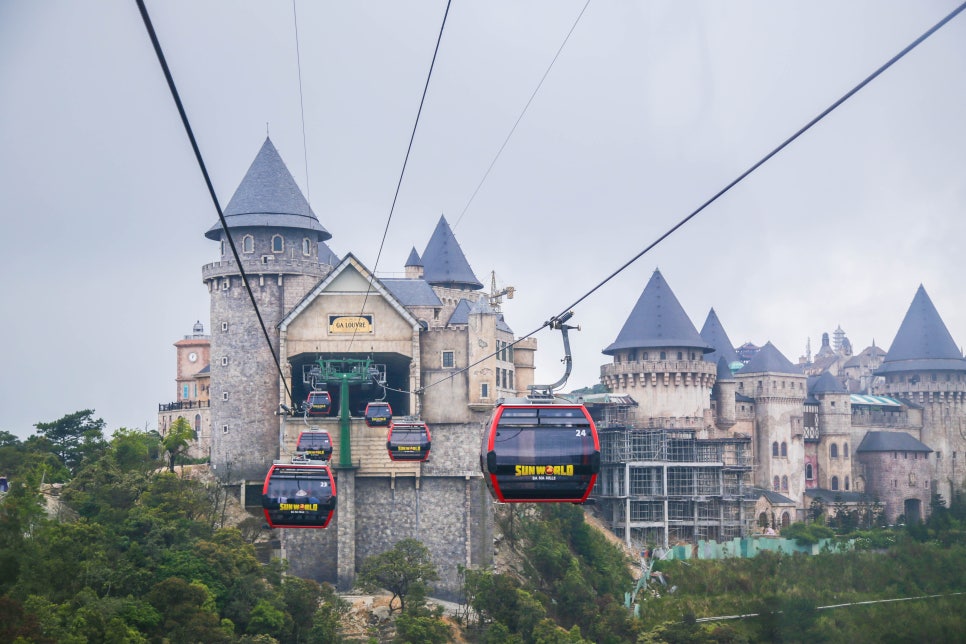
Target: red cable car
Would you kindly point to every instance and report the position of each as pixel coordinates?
(298, 496)
(542, 452)
(314, 445)
(408, 441)
(318, 403)
(378, 414)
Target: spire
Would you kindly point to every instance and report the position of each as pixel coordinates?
(444, 263)
(656, 321)
(269, 197)
(923, 342)
(714, 334)
(413, 259)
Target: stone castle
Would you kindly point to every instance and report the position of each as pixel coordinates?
(698, 439)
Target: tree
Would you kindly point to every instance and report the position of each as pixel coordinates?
(74, 437)
(176, 441)
(405, 569)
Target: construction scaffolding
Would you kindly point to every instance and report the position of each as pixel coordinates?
(664, 487)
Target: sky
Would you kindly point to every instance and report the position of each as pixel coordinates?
(650, 109)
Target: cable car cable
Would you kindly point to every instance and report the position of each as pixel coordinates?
(305, 147)
(520, 118)
(915, 43)
(211, 190)
(402, 172)
(868, 79)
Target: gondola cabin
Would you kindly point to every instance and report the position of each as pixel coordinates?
(314, 445)
(378, 414)
(408, 441)
(298, 496)
(318, 403)
(547, 452)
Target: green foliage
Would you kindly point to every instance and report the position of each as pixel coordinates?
(807, 534)
(74, 438)
(404, 570)
(420, 625)
(176, 441)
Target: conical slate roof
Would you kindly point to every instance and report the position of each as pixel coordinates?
(656, 321)
(770, 360)
(413, 259)
(269, 197)
(444, 263)
(714, 334)
(826, 383)
(923, 342)
(724, 370)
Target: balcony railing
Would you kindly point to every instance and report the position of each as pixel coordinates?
(184, 404)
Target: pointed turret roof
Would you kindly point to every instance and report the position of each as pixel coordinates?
(714, 334)
(413, 259)
(724, 371)
(826, 383)
(770, 360)
(923, 342)
(269, 197)
(657, 320)
(444, 263)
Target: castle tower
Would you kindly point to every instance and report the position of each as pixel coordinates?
(726, 359)
(778, 389)
(278, 239)
(833, 453)
(659, 360)
(414, 266)
(925, 366)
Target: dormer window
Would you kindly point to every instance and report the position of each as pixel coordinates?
(278, 244)
(248, 244)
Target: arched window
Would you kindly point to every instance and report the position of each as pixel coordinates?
(835, 482)
(248, 244)
(784, 449)
(776, 483)
(784, 484)
(845, 451)
(808, 471)
(833, 450)
(786, 519)
(197, 424)
(306, 246)
(763, 519)
(846, 483)
(278, 244)
(774, 449)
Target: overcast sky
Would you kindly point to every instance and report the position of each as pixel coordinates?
(650, 109)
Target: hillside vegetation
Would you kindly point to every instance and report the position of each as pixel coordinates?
(135, 552)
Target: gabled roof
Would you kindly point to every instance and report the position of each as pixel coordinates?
(657, 321)
(826, 383)
(374, 286)
(891, 442)
(773, 497)
(461, 314)
(770, 360)
(269, 197)
(714, 334)
(923, 342)
(413, 259)
(412, 292)
(444, 263)
(501, 324)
